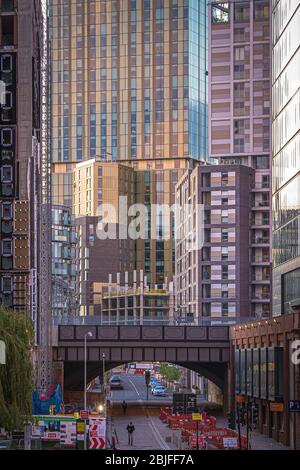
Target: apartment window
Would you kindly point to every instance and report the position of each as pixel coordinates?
(224, 309)
(262, 163)
(6, 63)
(6, 137)
(224, 217)
(224, 201)
(224, 235)
(224, 179)
(6, 247)
(224, 253)
(261, 9)
(220, 12)
(6, 285)
(239, 53)
(224, 273)
(6, 212)
(6, 174)
(7, 5)
(241, 12)
(7, 23)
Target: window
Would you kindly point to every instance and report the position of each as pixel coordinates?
(6, 174)
(220, 13)
(6, 285)
(7, 23)
(224, 235)
(224, 309)
(6, 247)
(224, 253)
(6, 63)
(6, 137)
(224, 273)
(6, 212)
(224, 179)
(239, 53)
(241, 12)
(7, 5)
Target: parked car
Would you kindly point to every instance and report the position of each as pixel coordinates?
(160, 391)
(116, 383)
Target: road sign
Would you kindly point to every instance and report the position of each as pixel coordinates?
(84, 414)
(230, 442)
(196, 416)
(97, 436)
(276, 407)
(294, 406)
(201, 441)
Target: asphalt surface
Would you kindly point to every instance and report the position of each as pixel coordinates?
(135, 391)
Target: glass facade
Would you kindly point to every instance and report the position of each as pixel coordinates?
(286, 154)
(129, 82)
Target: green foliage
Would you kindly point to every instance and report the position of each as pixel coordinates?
(169, 371)
(16, 330)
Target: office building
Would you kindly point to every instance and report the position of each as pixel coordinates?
(286, 156)
(240, 119)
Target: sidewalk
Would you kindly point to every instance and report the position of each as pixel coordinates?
(258, 441)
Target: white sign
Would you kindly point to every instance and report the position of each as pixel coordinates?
(68, 433)
(230, 442)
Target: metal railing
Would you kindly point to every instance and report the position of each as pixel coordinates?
(98, 321)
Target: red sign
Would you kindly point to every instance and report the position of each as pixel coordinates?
(95, 442)
(193, 441)
(84, 414)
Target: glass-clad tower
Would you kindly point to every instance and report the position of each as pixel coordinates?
(129, 82)
(286, 155)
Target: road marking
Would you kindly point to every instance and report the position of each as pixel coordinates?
(159, 439)
(134, 387)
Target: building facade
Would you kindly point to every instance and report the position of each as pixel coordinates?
(213, 281)
(130, 83)
(20, 147)
(286, 156)
(133, 302)
(265, 376)
(64, 267)
(240, 117)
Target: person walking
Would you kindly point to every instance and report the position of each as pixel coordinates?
(124, 406)
(130, 430)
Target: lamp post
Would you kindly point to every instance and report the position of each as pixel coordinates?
(85, 359)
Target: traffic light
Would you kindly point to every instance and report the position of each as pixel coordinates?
(254, 415)
(231, 420)
(147, 377)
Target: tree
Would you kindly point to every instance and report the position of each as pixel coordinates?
(170, 372)
(16, 376)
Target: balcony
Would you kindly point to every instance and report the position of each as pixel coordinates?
(260, 260)
(257, 205)
(260, 241)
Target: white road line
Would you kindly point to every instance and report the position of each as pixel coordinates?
(159, 439)
(134, 387)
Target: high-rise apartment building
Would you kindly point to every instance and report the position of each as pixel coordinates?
(240, 120)
(286, 155)
(20, 146)
(129, 82)
(212, 278)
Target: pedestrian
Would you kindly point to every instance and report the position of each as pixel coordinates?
(124, 406)
(130, 430)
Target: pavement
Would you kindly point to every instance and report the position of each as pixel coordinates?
(150, 432)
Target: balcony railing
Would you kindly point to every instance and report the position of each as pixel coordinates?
(260, 240)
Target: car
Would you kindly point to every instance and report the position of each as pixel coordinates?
(154, 384)
(116, 383)
(160, 391)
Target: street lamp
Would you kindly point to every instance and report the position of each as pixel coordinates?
(103, 372)
(85, 359)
